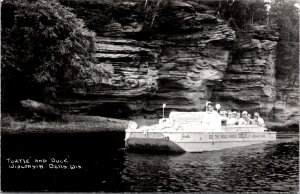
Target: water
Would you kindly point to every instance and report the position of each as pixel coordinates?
(106, 167)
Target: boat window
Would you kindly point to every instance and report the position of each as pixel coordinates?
(224, 123)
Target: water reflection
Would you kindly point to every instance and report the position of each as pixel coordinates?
(257, 168)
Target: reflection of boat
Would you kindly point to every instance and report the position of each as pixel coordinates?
(193, 132)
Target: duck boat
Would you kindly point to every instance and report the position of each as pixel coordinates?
(193, 132)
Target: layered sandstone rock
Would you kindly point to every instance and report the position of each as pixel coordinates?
(174, 67)
(286, 105)
(182, 56)
(249, 83)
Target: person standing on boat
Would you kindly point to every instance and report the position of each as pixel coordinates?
(210, 109)
(258, 120)
(213, 118)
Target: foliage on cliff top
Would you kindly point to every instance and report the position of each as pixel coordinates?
(44, 45)
(106, 12)
(286, 17)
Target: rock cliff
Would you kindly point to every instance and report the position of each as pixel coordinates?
(181, 54)
(249, 82)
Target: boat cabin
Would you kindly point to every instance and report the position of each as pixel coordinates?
(209, 121)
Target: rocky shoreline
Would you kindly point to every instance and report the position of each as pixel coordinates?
(68, 124)
(90, 124)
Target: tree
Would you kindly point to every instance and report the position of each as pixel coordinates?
(241, 14)
(285, 16)
(43, 47)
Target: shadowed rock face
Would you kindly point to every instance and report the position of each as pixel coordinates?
(249, 83)
(176, 67)
(286, 106)
(188, 57)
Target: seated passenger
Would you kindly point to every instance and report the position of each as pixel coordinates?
(258, 120)
(222, 113)
(251, 121)
(238, 117)
(234, 114)
(244, 120)
(230, 119)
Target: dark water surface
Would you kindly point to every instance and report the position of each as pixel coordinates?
(96, 162)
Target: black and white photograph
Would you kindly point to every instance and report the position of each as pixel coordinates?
(150, 96)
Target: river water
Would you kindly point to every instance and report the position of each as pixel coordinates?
(99, 163)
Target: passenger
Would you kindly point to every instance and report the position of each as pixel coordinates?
(251, 121)
(230, 119)
(225, 113)
(234, 114)
(238, 117)
(258, 120)
(222, 113)
(211, 109)
(244, 120)
(229, 112)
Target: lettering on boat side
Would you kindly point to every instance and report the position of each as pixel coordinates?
(242, 135)
(184, 136)
(224, 136)
(230, 136)
(258, 136)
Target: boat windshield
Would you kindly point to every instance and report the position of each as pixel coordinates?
(196, 118)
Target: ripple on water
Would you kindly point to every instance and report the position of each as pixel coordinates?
(262, 167)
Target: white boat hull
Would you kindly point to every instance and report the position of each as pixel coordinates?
(193, 132)
(193, 141)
